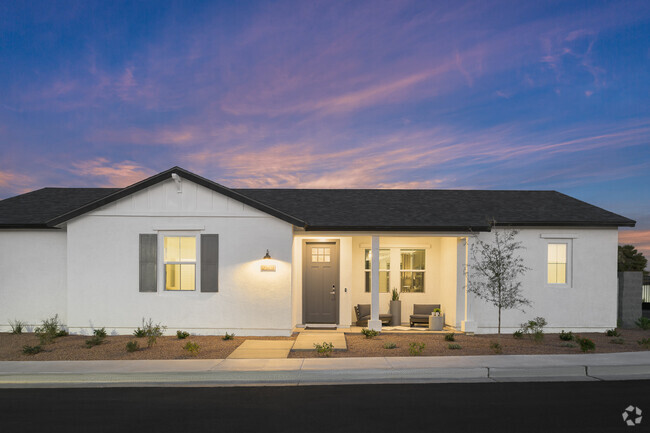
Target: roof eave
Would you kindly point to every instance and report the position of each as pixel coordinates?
(155, 179)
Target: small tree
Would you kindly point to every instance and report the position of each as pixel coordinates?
(629, 259)
(495, 271)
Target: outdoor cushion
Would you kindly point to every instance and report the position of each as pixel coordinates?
(421, 313)
(363, 315)
(364, 310)
(426, 309)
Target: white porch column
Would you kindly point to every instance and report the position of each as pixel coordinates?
(468, 324)
(374, 322)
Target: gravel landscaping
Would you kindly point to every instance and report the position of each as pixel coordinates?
(214, 347)
(435, 345)
(73, 347)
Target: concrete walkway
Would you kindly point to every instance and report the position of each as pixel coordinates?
(325, 371)
(307, 339)
(262, 349)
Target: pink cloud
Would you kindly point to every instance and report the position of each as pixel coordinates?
(116, 175)
(15, 182)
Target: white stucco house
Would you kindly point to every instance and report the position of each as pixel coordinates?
(190, 253)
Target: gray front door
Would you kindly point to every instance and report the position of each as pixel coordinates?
(320, 282)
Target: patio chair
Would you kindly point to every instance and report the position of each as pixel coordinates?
(363, 315)
(421, 313)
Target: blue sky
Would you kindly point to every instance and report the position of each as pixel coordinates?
(489, 95)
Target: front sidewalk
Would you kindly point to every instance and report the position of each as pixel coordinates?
(324, 371)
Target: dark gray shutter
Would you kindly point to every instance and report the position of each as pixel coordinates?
(209, 263)
(148, 262)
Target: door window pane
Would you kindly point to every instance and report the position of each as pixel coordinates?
(321, 255)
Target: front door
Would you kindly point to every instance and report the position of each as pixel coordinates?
(320, 282)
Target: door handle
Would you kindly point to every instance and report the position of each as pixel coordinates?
(333, 292)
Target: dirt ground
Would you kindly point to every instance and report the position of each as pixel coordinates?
(214, 347)
(73, 347)
(435, 344)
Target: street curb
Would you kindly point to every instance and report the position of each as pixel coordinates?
(324, 377)
(555, 371)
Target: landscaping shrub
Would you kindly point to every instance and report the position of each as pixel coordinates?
(586, 345)
(17, 326)
(94, 341)
(150, 331)
(32, 350)
(645, 342)
(229, 336)
(566, 336)
(416, 349)
(643, 323)
(534, 328)
(517, 334)
(324, 349)
(449, 337)
(182, 335)
(612, 333)
(453, 346)
(49, 330)
(496, 347)
(132, 346)
(390, 345)
(101, 333)
(567, 344)
(369, 333)
(617, 340)
(192, 347)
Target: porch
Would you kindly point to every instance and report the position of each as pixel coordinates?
(333, 273)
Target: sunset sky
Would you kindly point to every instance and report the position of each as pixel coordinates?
(398, 94)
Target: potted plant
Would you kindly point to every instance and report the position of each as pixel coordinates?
(436, 320)
(395, 309)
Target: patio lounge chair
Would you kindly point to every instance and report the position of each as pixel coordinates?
(421, 313)
(363, 315)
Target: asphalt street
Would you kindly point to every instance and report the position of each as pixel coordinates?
(465, 407)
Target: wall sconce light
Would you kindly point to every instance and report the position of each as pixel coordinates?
(266, 266)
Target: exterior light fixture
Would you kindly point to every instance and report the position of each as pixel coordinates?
(266, 266)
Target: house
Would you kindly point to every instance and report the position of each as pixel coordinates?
(194, 255)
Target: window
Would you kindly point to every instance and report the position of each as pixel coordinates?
(412, 270)
(180, 263)
(384, 270)
(557, 263)
(320, 254)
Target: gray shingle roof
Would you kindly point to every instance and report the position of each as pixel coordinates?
(338, 209)
(36, 208)
(386, 209)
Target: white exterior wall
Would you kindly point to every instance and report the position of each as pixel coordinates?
(587, 304)
(33, 269)
(103, 265)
